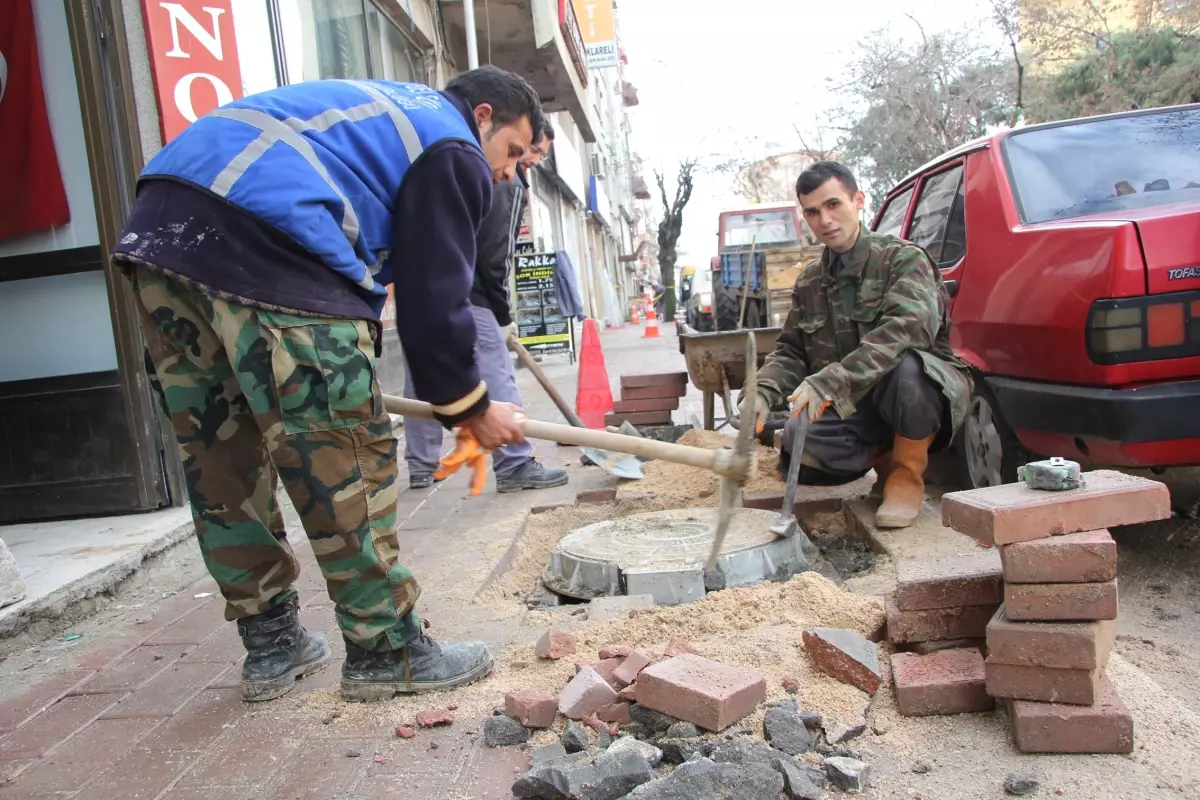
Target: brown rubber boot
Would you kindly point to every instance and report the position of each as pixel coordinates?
(904, 491)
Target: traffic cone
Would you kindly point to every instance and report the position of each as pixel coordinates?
(633, 315)
(651, 324)
(593, 396)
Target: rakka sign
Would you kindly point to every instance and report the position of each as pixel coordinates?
(194, 56)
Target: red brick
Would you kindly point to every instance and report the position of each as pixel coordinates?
(531, 709)
(223, 645)
(706, 693)
(1013, 512)
(648, 404)
(596, 496)
(594, 722)
(966, 622)
(587, 692)
(647, 392)
(615, 651)
(102, 653)
(1105, 727)
(1087, 557)
(605, 668)
(629, 693)
(845, 656)
(678, 647)
(1074, 686)
(17, 709)
(251, 754)
(144, 773)
(202, 721)
(615, 712)
(53, 726)
(165, 694)
(949, 582)
(137, 667)
(320, 768)
(551, 507)
(434, 717)
(654, 379)
(194, 627)
(84, 755)
(627, 673)
(555, 645)
(1058, 645)
(925, 648)
(642, 418)
(1053, 602)
(945, 682)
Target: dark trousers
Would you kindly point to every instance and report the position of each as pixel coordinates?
(904, 403)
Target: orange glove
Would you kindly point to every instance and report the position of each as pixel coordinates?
(809, 397)
(467, 450)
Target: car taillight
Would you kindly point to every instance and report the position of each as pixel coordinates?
(1144, 328)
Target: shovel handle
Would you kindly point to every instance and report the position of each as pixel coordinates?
(722, 462)
(531, 365)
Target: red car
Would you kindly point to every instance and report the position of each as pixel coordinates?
(1072, 254)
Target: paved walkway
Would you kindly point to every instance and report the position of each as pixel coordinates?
(147, 705)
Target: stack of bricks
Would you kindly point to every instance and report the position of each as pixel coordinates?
(648, 399)
(940, 612)
(1048, 644)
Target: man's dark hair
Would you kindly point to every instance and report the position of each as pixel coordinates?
(546, 133)
(811, 178)
(510, 96)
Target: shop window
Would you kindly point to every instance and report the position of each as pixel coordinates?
(256, 57)
(393, 56)
(324, 39)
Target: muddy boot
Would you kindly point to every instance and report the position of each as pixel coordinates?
(904, 490)
(423, 665)
(532, 475)
(278, 651)
(421, 480)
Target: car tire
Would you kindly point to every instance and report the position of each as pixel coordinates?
(989, 452)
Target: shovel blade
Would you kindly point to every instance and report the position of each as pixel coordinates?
(619, 464)
(785, 528)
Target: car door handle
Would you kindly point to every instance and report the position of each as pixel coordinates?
(951, 287)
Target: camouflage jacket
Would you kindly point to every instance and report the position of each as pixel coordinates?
(846, 333)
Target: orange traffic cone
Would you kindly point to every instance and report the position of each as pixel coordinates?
(651, 324)
(593, 396)
(633, 315)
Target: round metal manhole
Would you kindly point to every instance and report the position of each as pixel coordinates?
(663, 553)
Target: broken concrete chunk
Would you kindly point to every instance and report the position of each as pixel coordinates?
(550, 752)
(531, 709)
(704, 782)
(848, 774)
(12, 585)
(744, 750)
(1020, 785)
(800, 782)
(627, 673)
(575, 738)
(504, 732)
(605, 609)
(551, 777)
(786, 731)
(434, 717)
(555, 645)
(651, 720)
(682, 730)
(677, 751)
(845, 656)
(585, 694)
(613, 776)
(649, 752)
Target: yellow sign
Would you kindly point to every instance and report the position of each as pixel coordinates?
(599, 32)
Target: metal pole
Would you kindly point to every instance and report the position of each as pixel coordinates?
(472, 43)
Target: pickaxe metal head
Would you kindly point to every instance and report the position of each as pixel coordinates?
(741, 460)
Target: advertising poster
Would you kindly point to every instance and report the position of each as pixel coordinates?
(541, 326)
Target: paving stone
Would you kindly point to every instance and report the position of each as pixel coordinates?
(638, 418)
(644, 392)
(845, 656)
(167, 692)
(645, 404)
(504, 732)
(944, 682)
(649, 752)
(531, 708)
(1073, 686)
(555, 645)
(52, 726)
(15, 710)
(654, 379)
(949, 581)
(615, 651)
(1048, 602)
(800, 782)
(143, 773)
(1013, 512)
(1058, 645)
(605, 668)
(628, 671)
(925, 648)
(628, 694)
(682, 730)
(678, 647)
(585, 694)
(132, 670)
(786, 731)
(848, 774)
(1087, 557)
(1105, 727)
(320, 768)
(697, 690)
(967, 622)
(551, 507)
(616, 713)
(702, 781)
(606, 609)
(82, 757)
(596, 496)
(193, 628)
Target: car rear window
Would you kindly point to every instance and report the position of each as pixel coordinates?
(1106, 165)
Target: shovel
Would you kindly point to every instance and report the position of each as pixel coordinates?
(786, 525)
(619, 464)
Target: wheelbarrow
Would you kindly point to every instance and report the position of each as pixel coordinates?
(716, 364)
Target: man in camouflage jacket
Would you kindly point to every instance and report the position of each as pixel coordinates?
(866, 351)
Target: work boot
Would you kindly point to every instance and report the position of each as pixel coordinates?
(422, 665)
(421, 480)
(278, 651)
(904, 490)
(532, 475)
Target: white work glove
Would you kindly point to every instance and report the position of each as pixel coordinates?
(762, 407)
(508, 330)
(808, 397)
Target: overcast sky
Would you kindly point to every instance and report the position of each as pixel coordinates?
(710, 81)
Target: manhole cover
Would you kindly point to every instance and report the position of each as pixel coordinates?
(663, 553)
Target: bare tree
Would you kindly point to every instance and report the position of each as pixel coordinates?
(671, 226)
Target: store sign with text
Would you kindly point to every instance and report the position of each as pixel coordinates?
(541, 325)
(599, 33)
(194, 56)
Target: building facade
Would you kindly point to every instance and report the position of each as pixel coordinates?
(80, 432)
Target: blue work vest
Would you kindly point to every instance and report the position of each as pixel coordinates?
(321, 161)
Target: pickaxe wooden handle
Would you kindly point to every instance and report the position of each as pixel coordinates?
(727, 463)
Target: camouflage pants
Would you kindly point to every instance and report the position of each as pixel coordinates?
(257, 398)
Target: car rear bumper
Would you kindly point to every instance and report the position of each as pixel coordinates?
(1146, 426)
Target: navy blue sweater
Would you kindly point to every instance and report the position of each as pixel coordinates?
(200, 239)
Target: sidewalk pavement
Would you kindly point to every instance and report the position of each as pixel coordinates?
(148, 706)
